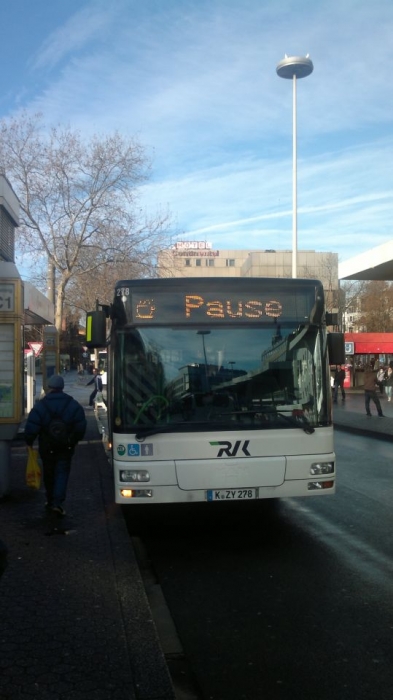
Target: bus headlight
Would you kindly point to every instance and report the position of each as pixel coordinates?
(319, 468)
(132, 475)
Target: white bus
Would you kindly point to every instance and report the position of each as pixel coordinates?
(219, 389)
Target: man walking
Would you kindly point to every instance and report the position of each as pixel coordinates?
(339, 377)
(59, 422)
(97, 381)
(370, 383)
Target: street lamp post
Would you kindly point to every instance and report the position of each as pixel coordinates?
(203, 333)
(292, 68)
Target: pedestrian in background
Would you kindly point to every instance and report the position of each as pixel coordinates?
(97, 381)
(381, 376)
(389, 382)
(339, 377)
(56, 456)
(370, 384)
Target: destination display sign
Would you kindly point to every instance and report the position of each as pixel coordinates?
(214, 307)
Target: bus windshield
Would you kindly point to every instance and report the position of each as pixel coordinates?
(172, 379)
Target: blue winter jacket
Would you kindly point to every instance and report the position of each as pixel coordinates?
(39, 417)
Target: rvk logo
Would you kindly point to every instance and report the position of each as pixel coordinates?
(231, 451)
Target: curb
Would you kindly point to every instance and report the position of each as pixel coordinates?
(356, 430)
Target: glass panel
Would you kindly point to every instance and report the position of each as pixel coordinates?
(232, 377)
(7, 370)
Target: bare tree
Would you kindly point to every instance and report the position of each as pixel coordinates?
(78, 199)
(84, 292)
(351, 292)
(377, 306)
(368, 304)
(329, 276)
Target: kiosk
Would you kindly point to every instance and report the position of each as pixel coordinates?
(11, 365)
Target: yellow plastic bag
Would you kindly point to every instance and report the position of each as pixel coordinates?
(33, 469)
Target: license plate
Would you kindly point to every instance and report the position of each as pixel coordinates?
(231, 494)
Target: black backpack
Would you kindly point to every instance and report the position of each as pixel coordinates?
(57, 434)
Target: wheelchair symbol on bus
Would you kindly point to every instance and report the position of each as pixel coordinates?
(133, 450)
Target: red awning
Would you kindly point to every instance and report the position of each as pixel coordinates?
(371, 343)
(365, 348)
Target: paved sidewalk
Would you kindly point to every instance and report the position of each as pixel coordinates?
(350, 415)
(75, 623)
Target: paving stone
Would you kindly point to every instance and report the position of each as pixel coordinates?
(66, 632)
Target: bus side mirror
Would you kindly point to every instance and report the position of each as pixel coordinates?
(336, 348)
(331, 319)
(96, 329)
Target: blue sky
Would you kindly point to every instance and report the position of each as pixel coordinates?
(196, 81)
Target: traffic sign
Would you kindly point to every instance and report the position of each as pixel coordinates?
(349, 348)
(36, 348)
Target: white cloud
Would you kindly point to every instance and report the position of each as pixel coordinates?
(338, 204)
(87, 25)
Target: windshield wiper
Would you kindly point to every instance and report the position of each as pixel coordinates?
(298, 421)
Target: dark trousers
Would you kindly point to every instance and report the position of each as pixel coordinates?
(56, 470)
(336, 388)
(372, 395)
(92, 396)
